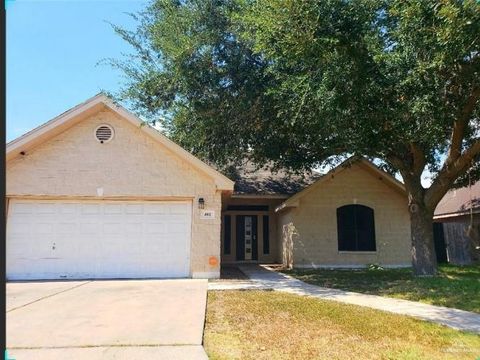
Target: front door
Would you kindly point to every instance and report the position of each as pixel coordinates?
(246, 237)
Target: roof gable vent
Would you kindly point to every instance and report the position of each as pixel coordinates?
(104, 133)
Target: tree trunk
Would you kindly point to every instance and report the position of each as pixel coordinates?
(424, 259)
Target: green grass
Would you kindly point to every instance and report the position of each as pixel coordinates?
(273, 325)
(456, 287)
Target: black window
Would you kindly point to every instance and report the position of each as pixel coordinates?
(266, 235)
(227, 225)
(356, 228)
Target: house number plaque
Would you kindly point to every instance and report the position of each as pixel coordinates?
(207, 214)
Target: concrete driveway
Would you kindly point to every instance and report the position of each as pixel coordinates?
(113, 319)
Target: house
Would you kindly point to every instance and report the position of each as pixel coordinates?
(457, 226)
(93, 194)
(353, 216)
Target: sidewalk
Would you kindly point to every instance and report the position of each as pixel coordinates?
(266, 279)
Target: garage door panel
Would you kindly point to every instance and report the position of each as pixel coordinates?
(42, 228)
(45, 208)
(90, 209)
(156, 209)
(20, 227)
(90, 228)
(65, 228)
(176, 228)
(112, 209)
(68, 208)
(134, 209)
(65, 239)
(112, 228)
(133, 228)
(156, 228)
(178, 210)
(20, 208)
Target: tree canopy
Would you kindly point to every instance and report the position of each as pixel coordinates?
(302, 82)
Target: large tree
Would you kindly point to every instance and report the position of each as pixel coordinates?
(302, 82)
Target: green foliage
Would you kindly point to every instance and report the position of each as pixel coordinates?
(191, 73)
(371, 77)
(375, 267)
(302, 83)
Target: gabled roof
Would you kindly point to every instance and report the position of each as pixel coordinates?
(264, 181)
(91, 106)
(367, 165)
(458, 202)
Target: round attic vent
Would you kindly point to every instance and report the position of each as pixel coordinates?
(104, 133)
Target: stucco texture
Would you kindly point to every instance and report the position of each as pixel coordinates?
(133, 166)
(309, 231)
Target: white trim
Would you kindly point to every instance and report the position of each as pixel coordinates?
(206, 275)
(138, 198)
(222, 182)
(285, 205)
(354, 266)
(456, 214)
(53, 123)
(70, 117)
(294, 200)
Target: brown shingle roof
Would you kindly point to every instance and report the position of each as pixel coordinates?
(457, 201)
(264, 181)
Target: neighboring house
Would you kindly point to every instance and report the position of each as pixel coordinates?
(457, 226)
(92, 194)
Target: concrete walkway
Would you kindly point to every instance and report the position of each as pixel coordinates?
(263, 278)
(238, 285)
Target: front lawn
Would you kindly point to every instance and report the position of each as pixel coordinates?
(457, 287)
(274, 325)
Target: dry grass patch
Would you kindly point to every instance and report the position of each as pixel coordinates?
(271, 325)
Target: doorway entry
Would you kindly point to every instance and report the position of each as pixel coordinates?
(247, 239)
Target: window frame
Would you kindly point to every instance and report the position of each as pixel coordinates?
(227, 235)
(266, 234)
(363, 232)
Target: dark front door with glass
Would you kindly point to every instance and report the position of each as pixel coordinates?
(246, 238)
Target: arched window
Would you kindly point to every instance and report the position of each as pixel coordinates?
(355, 228)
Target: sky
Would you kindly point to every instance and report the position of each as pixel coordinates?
(53, 48)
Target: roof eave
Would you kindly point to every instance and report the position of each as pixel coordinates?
(294, 200)
(456, 214)
(261, 196)
(53, 127)
(285, 206)
(28, 140)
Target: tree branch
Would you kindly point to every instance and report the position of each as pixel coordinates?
(419, 160)
(412, 182)
(460, 124)
(449, 173)
(396, 161)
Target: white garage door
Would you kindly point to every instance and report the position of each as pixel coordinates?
(97, 239)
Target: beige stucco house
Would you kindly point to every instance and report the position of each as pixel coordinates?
(94, 194)
(353, 216)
